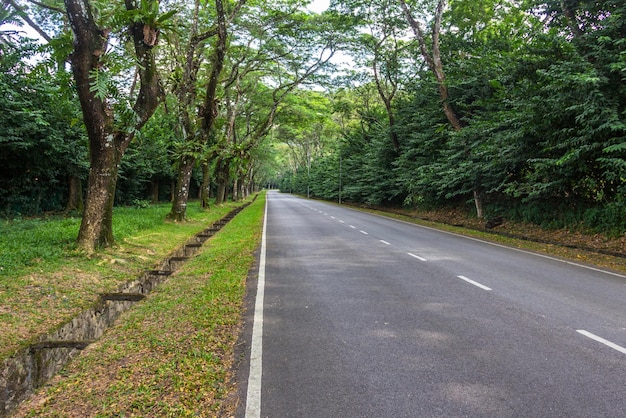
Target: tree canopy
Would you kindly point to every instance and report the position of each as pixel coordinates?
(507, 108)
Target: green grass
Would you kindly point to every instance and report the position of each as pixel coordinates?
(35, 244)
(26, 243)
(44, 280)
(172, 354)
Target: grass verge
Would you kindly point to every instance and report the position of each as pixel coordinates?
(45, 281)
(172, 354)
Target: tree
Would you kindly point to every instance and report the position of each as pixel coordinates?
(377, 46)
(274, 50)
(110, 126)
(433, 57)
(196, 133)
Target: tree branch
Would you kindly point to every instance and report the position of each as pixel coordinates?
(419, 34)
(434, 60)
(48, 7)
(24, 16)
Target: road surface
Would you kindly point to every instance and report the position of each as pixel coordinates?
(364, 316)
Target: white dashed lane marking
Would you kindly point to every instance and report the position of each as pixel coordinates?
(602, 340)
(482, 286)
(417, 256)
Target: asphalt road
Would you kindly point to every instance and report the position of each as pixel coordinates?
(364, 316)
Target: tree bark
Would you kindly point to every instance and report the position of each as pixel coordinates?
(24, 16)
(387, 98)
(75, 195)
(221, 173)
(478, 202)
(89, 45)
(205, 189)
(572, 22)
(181, 192)
(154, 189)
(236, 185)
(434, 61)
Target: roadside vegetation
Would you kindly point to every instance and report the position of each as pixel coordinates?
(585, 247)
(504, 108)
(45, 279)
(173, 353)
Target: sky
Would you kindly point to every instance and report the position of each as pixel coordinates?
(319, 6)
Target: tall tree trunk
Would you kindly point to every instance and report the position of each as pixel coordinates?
(154, 189)
(181, 192)
(572, 21)
(89, 44)
(96, 227)
(75, 195)
(221, 174)
(434, 60)
(207, 115)
(387, 98)
(106, 146)
(221, 192)
(106, 234)
(240, 185)
(436, 66)
(205, 189)
(234, 195)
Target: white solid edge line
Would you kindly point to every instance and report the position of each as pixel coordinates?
(253, 397)
(602, 340)
(495, 244)
(482, 286)
(417, 256)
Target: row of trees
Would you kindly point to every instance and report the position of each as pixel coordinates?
(514, 108)
(186, 88)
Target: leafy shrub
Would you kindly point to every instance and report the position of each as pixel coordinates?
(609, 219)
(141, 204)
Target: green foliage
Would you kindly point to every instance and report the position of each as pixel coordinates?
(146, 172)
(42, 144)
(543, 111)
(539, 86)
